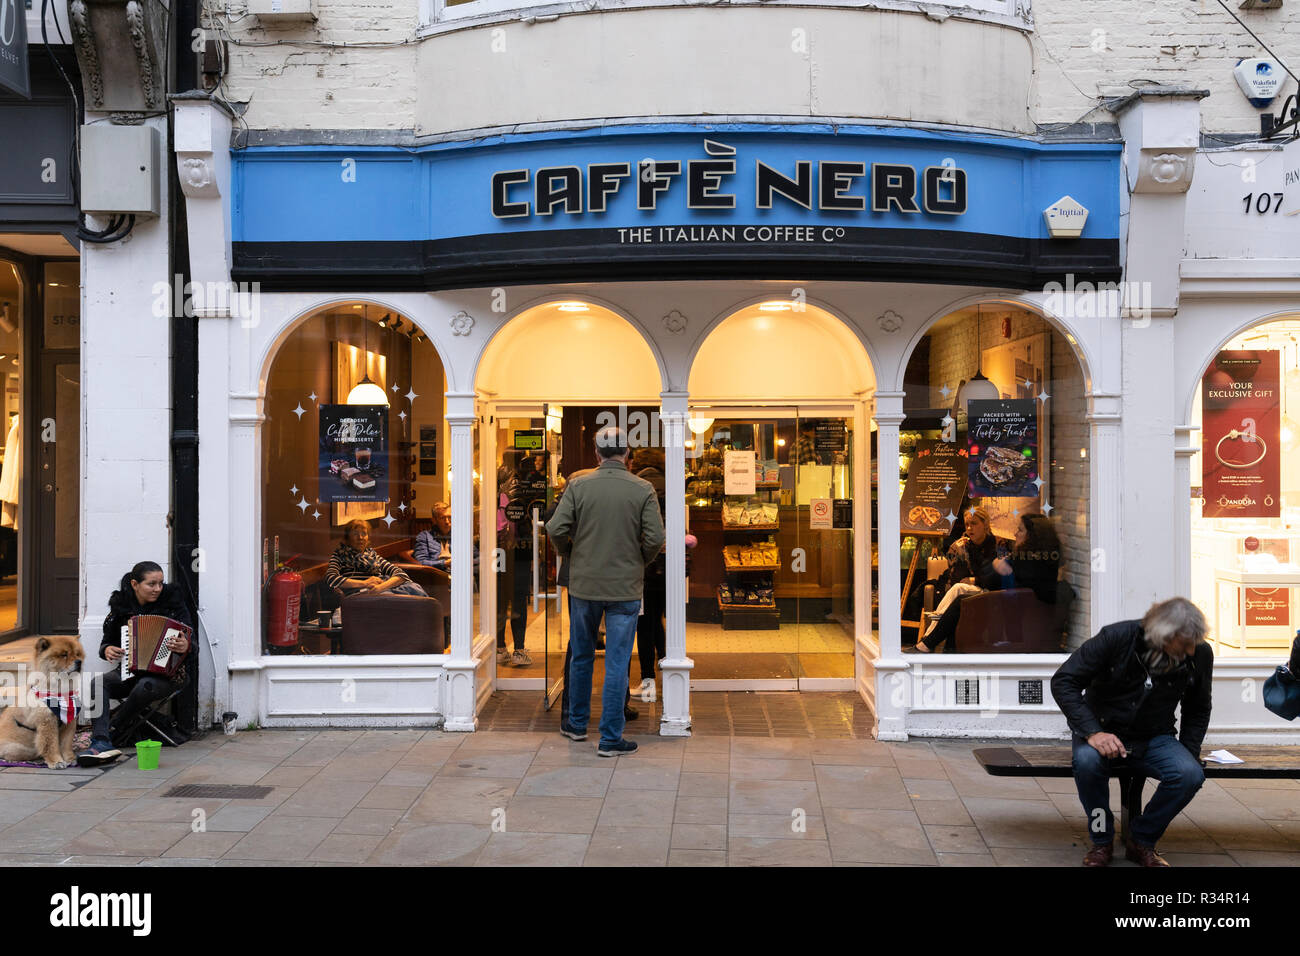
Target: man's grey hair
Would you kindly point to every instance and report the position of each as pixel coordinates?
(1175, 618)
(439, 506)
(611, 442)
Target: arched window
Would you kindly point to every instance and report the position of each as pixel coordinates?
(1246, 492)
(354, 439)
(994, 471)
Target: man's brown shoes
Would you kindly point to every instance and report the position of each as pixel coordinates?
(1143, 855)
(1100, 855)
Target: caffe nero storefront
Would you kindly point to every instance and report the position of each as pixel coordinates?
(831, 344)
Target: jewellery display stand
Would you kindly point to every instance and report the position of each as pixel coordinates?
(1231, 592)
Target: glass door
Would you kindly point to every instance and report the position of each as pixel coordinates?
(549, 598)
(531, 637)
(770, 495)
(823, 519)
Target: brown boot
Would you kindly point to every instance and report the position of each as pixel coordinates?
(1143, 855)
(1100, 855)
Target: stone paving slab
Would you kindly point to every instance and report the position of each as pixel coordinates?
(529, 797)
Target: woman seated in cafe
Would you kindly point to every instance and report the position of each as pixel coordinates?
(970, 559)
(1034, 563)
(356, 567)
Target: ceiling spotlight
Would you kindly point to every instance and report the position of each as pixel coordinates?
(383, 323)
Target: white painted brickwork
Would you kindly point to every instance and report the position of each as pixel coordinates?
(777, 61)
(1089, 48)
(291, 81)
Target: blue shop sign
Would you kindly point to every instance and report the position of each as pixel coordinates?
(676, 201)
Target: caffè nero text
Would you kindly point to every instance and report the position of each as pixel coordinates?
(827, 186)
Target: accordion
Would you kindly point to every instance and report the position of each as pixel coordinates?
(144, 645)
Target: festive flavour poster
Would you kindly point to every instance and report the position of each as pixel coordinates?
(1002, 439)
(1241, 423)
(353, 463)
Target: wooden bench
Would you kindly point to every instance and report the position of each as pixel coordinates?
(1048, 761)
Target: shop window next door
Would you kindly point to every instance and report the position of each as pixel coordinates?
(56, 486)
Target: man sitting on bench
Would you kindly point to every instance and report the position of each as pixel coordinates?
(1118, 693)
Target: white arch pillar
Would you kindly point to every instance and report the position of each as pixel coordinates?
(675, 720)
(1186, 445)
(891, 706)
(458, 698)
(1106, 497)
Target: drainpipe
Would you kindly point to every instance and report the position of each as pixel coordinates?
(184, 370)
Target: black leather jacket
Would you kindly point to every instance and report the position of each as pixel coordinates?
(1104, 684)
(124, 606)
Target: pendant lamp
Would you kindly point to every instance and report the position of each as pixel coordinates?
(367, 392)
(979, 388)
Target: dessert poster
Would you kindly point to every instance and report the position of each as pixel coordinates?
(1240, 433)
(353, 462)
(1002, 439)
(936, 484)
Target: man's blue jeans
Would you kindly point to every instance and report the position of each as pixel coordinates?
(1180, 775)
(620, 631)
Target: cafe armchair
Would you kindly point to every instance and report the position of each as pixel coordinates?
(435, 581)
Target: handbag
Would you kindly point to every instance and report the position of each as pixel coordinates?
(1282, 693)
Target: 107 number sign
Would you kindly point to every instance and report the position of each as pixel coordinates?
(1263, 202)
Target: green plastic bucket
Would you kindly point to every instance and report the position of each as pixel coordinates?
(146, 754)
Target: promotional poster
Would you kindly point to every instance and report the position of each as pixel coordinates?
(353, 453)
(1241, 424)
(936, 484)
(1002, 439)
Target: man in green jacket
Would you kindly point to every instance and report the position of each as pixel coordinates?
(607, 528)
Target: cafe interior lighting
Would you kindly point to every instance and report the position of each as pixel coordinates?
(367, 392)
(699, 426)
(573, 307)
(775, 307)
(979, 388)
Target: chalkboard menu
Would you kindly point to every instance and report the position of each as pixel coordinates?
(936, 484)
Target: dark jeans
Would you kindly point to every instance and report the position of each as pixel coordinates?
(620, 631)
(1179, 772)
(568, 658)
(139, 692)
(945, 629)
(651, 641)
(513, 589)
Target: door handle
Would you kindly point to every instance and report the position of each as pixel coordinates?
(538, 595)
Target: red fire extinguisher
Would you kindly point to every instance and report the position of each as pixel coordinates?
(284, 596)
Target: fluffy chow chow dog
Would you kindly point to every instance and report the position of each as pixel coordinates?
(41, 725)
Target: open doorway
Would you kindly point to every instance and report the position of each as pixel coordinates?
(547, 382)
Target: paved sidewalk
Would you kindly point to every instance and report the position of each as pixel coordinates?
(500, 798)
